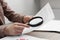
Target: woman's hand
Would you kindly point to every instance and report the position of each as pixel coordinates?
(15, 29)
(27, 18)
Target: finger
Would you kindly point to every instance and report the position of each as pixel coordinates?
(18, 31)
(21, 24)
(27, 18)
(19, 28)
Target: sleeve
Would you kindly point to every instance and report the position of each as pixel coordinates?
(10, 14)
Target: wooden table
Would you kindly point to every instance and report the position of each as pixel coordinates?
(45, 34)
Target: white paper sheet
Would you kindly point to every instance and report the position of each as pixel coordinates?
(23, 37)
(47, 14)
(53, 25)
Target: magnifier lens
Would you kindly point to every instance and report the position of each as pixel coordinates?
(35, 21)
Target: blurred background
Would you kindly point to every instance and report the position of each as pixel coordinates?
(31, 7)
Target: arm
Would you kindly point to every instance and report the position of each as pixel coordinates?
(2, 28)
(11, 15)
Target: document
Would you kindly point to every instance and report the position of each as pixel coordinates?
(46, 13)
(53, 25)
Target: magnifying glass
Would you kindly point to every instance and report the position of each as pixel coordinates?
(35, 21)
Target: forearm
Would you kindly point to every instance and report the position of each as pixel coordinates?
(15, 18)
(2, 29)
(9, 13)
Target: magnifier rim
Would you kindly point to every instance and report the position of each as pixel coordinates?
(35, 24)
